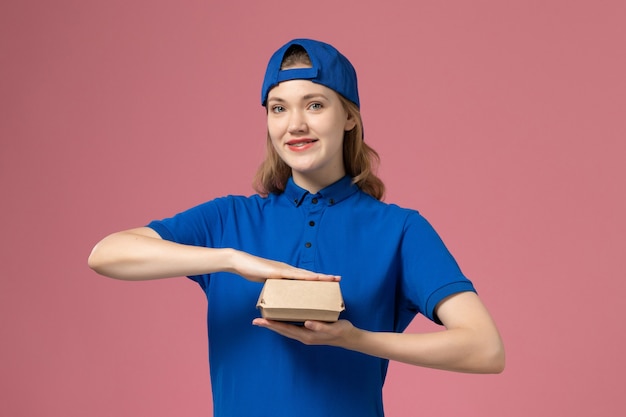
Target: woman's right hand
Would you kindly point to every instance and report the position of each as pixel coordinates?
(256, 269)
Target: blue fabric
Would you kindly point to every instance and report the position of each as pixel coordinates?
(392, 263)
(330, 68)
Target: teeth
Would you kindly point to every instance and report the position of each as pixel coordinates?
(298, 144)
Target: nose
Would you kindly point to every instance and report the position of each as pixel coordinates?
(297, 122)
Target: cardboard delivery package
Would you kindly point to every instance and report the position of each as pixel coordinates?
(298, 301)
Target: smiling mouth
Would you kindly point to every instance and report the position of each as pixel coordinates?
(300, 142)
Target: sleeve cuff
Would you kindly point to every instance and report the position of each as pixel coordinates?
(443, 292)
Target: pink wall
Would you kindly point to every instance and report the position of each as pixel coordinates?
(503, 122)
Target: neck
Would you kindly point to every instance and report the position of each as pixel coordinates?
(314, 184)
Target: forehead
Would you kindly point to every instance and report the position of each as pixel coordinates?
(299, 89)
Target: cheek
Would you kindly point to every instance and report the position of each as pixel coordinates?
(274, 138)
(274, 129)
(275, 144)
(337, 129)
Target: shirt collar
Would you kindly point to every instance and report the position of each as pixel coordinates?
(331, 195)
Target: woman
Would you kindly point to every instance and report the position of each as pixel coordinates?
(318, 216)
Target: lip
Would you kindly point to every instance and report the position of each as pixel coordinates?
(299, 141)
(301, 144)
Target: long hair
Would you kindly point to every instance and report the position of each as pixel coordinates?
(360, 160)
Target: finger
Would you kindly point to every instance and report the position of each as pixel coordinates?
(260, 322)
(284, 329)
(322, 327)
(272, 324)
(332, 278)
(313, 325)
(313, 276)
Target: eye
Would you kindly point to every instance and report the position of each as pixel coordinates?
(316, 106)
(278, 109)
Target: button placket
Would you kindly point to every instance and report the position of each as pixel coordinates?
(315, 210)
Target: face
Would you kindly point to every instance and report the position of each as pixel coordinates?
(306, 123)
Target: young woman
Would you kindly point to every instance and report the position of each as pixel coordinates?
(318, 216)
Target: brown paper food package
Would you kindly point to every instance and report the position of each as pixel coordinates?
(298, 301)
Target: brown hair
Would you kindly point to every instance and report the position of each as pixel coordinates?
(359, 159)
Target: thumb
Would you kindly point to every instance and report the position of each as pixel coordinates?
(316, 326)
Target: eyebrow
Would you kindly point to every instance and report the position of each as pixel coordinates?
(305, 97)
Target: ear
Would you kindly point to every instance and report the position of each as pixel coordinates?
(350, 122)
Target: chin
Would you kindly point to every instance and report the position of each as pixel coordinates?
(302, 168)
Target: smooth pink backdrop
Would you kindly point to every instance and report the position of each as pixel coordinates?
(503, 122)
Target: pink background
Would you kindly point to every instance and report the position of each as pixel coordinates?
(503, 122)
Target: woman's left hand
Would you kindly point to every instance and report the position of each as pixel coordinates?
(312, 332)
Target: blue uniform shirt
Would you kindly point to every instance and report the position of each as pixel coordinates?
(392, 263)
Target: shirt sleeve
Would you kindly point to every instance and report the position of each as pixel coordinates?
(199, 226)
(429, 272)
